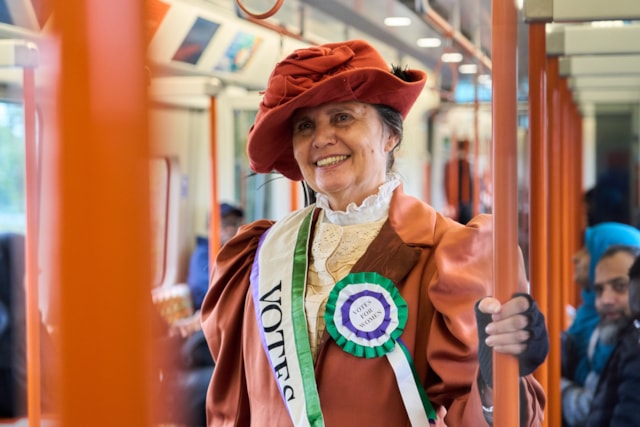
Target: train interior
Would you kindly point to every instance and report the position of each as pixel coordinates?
(207, 62)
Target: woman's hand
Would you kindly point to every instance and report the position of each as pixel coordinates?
(187, 326)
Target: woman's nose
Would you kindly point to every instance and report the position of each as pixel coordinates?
(324, 135)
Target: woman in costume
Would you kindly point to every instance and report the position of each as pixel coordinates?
(361, 308)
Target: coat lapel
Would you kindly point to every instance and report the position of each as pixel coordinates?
(388, 255)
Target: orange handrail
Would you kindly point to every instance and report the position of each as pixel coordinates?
(426, 179)
(31, 249)
(539, 186)
(475, 197)
(264, 15)
(505, 200)
(102, 238)
(293, 201)
(573, 221)
(215, 220)
(453, 180)
(556, 261)
(566, 282)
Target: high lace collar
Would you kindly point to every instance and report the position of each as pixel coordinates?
(373, 208)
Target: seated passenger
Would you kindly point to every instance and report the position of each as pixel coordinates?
(576, 339)
(13, 354)
(186, 386)
(616, 402)
(611, 290)
(231, 218)
(186, 367)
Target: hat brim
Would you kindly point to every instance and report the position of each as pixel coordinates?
(270, 146)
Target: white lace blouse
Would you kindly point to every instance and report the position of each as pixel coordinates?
(341, 238)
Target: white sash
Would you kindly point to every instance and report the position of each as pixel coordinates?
(280, 290)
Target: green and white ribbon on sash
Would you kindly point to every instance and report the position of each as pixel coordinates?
(366, 315)
(278, 281)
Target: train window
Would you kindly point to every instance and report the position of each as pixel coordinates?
(12, 165)
(160, 173)
(254, 190)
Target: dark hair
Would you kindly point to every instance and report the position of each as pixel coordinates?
(606, 203)
(230, 215)
(230, 210)
(392, 119)
(614, 249)
(634, 270)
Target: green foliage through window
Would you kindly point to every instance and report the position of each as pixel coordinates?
(12, 167)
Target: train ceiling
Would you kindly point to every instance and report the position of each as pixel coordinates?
(465, 26)
(213, 38)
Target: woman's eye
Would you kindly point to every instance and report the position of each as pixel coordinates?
(302, 126)
(341, 117)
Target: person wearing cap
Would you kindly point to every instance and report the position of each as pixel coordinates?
(362, 308)
(231, 218)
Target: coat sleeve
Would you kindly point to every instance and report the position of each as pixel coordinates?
(463, 259)
(576, 399)
(625, 412)
(222, 323)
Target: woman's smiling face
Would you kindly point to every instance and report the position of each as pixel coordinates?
(342, 149)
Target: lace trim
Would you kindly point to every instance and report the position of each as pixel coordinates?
(373, 208)
(334, 251)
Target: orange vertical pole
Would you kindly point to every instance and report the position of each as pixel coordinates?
(475, 197)
(215, 220)
(571, 211)
(294, 195)
(554, 318)
(31, 248)
(102, 245)
(579, 210)
(538, 154)
(579, 228)
(580, 202)
(453, 175)
(427, 180)
(505, 195)
(566, 177)
(453, 179)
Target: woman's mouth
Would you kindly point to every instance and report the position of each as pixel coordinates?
(330, 161)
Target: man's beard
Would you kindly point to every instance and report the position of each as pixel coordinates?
(610, 329)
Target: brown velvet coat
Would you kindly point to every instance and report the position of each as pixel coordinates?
(441, 269)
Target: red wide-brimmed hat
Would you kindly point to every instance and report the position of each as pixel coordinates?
(334, 72)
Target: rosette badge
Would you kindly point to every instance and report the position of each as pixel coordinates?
(366, 314)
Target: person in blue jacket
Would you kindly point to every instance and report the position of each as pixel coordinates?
(231, 218)
(616, 400)
(576, 338)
